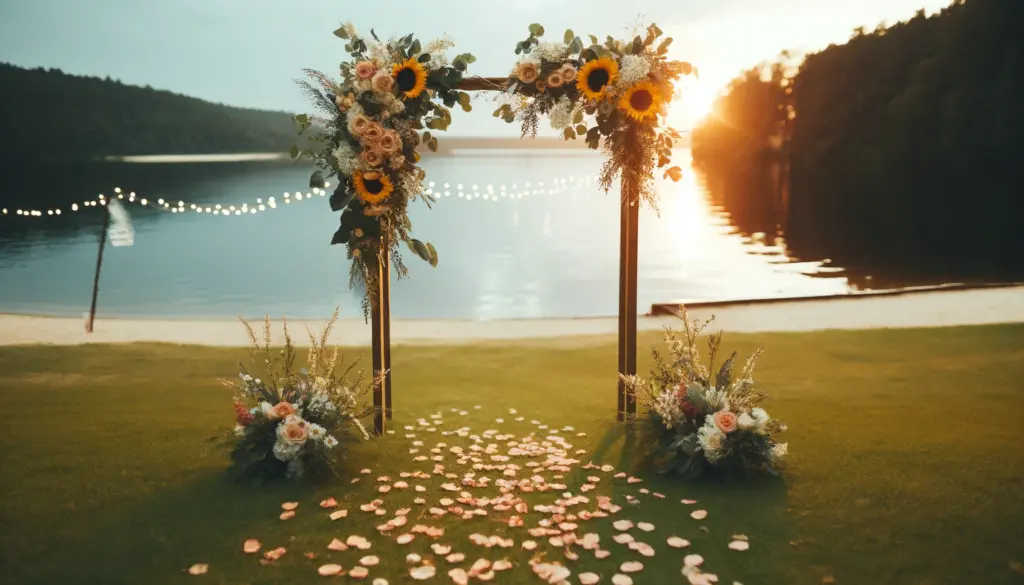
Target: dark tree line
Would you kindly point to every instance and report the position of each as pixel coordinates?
(903, 148)
(50, 115)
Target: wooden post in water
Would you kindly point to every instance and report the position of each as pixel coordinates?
(629, 222)
(380, 322)
(99, 265)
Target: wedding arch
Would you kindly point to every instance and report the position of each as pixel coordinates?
(393, 94)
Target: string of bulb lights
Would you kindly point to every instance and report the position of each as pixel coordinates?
(445, 190)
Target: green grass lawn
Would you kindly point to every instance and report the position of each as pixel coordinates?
(906, 462)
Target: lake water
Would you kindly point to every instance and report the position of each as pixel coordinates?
(507, 250)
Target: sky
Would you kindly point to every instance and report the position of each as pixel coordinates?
(249, 52)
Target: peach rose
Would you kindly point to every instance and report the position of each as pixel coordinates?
(372, 157)
(390, 142)
(283, 409)
(365, 70)
(541, 85)
(295, 432)
(383, 83)
(373, 132)
(568, 72)
(358, 124)
(726, 421)
(527, 72)
(556, 79)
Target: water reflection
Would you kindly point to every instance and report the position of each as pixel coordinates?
(544, 255)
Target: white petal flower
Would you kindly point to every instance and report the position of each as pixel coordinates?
(779, 452)
(746, 422)
(633, 68)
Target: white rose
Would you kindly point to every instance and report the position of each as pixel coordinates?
(746, 422)
(285, 451)
(759, 415)
(779, 452)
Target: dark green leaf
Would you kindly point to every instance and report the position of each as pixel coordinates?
(459, 64)
(341, 236)
(420, 249)
(424, 58)
(468, 58)
(316, 180)
(374, 35)
(568, 37)
(581, 129)
(341, 33)
(432, 144)
(416, 47)
(464, 99)
(341, 197)
(519, 48)
(594, 41)
(295, 151)
(536, 30)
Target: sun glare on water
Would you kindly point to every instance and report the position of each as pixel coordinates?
(693, 103)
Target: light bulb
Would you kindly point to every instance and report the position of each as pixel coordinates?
(74, 207)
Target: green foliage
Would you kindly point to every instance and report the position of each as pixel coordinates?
(61, 116)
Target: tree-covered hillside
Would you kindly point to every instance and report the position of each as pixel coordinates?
(904, 146)
(48, 114)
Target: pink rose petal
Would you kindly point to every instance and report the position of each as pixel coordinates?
(198, 569)
(329, 570)
(251, 546)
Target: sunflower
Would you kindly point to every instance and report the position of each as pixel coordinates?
(372, 188)
(641, 101)
(596, 76)
(410, 78)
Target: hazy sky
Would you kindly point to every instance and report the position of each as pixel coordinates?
(248, 52)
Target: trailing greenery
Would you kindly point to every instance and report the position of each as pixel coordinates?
(49, 114)
(902, 146)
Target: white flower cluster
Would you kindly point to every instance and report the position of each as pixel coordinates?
(294, 432)
(633, 68)
(551, 51)
(562, 113)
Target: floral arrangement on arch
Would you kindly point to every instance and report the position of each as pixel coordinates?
(702, 421)
(623, 87)
(288, 422)
(376, 117)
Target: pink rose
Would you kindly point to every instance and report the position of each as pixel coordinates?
(365, 70)
(372, 157)
(283, 409)
(527, 72)
(556, 79)
(568, 72)
(295, 432)
(373, 132)
(389, 143)
(726, 421)
(383, 83)
(358, 124)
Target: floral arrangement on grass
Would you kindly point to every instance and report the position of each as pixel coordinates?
(623, 86)
(290, 423)
(701, 420)
(388, 94)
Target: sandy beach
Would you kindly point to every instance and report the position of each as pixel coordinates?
(914, 309)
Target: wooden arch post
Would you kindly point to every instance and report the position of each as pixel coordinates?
(628, 227)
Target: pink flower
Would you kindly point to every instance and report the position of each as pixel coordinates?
(365, 69)
(358, 124)
(372, 157)
(283, 409)
(295, 432)
(373, 132)
(383, 83)
(726, 421)
(527, 72)
(389, 143)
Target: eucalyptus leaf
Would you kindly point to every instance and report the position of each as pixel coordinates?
(294, 151)
(663, 46)
(576, 45)
(433, 254)
(374, 35)
(594, 40)
(420, 249)
(341, 33)
(432, 144)
(581, 129)
(568, 37)
(316, 180)
(468, 58)
(577, 118)
(415, 48)
(424, 58)
(674, 173)
(536, 30)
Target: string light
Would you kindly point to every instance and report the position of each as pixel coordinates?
(513, 191)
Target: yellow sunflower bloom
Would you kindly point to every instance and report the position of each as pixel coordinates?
(596, 76)
(372, 188)
(410, 78)
(641, 102)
